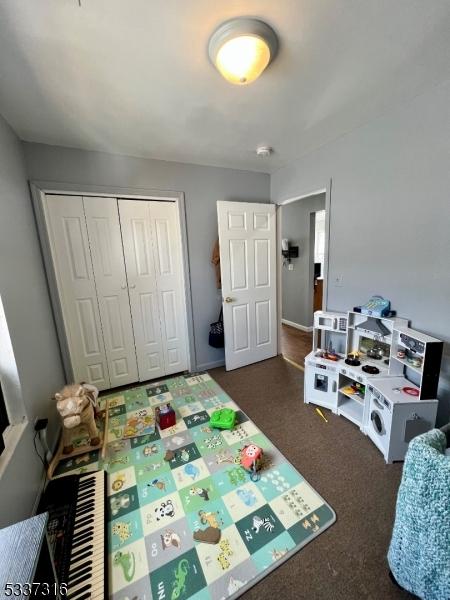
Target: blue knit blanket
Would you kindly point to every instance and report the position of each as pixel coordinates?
(419, 554)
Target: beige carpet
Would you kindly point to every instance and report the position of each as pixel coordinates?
(348, 561)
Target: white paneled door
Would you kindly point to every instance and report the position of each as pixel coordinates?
(168, 258)
(76, 287)
(119, 272)
(247, 236)
(105, 240)
(152, 249)
(140, 267)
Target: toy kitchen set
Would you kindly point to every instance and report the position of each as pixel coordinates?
(372, 368)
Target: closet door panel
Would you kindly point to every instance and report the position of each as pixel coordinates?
(170, 284)
(76, 287)
(140, 268)
(105, 241)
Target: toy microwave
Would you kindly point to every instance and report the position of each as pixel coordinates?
(330, 321)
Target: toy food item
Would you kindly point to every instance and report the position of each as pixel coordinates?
(353, 359)
(251, 460)
(224, 418)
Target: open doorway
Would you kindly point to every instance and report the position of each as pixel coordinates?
(303, 237)
(317, 229)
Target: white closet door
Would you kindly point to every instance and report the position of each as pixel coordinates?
(105, 240)
(73, 268)
(171, 290)
(138, 252)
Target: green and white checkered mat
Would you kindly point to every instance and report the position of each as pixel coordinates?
(154, 506)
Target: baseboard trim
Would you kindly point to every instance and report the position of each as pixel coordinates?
(297, 325)
(211, 365)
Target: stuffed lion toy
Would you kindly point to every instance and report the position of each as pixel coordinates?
(77, 404)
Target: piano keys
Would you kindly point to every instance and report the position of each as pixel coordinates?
(76, 531)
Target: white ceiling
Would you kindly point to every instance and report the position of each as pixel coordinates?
(133, 76)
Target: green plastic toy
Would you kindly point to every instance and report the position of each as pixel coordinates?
(224, 418)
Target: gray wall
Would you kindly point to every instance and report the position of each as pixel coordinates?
(202, 187)
(297, 285)
(27, 309)
(390, 213)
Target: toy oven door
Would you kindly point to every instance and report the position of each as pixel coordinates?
(322, 385)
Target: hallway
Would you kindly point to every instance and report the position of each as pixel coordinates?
(295, 344)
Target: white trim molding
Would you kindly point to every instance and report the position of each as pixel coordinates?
(211, 365)
(297, 325)
(39, 189)
(326, 189)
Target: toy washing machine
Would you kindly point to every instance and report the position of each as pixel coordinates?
(396, 416)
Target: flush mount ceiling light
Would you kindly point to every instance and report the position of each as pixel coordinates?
(242, 48)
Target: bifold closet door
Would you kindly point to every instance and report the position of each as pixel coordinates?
(76, 287)
(152, 248)
(105, 240)
(171, 290)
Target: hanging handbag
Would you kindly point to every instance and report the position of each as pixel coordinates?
(216, 333)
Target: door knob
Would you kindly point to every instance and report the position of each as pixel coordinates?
(132, 286)
(123, 287)
(228, 299)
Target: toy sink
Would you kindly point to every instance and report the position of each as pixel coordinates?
(223, 418)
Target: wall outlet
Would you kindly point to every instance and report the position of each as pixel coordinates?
(338, 280)
(290, 267)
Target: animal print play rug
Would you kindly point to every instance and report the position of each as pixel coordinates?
(155, 506)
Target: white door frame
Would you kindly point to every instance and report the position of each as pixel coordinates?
(327, 190)
(38, 191)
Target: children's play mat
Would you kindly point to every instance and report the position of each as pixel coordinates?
(154, 506)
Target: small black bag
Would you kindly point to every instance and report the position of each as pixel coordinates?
(216, 333)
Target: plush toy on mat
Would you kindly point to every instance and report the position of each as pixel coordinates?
(76, 404)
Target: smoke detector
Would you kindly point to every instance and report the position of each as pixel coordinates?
(264, 151)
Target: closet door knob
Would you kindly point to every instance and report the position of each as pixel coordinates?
(228, 299)
(123, 287)
(132, 286)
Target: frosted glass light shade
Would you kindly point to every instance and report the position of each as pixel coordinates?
(242, 59)
(241, 49)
